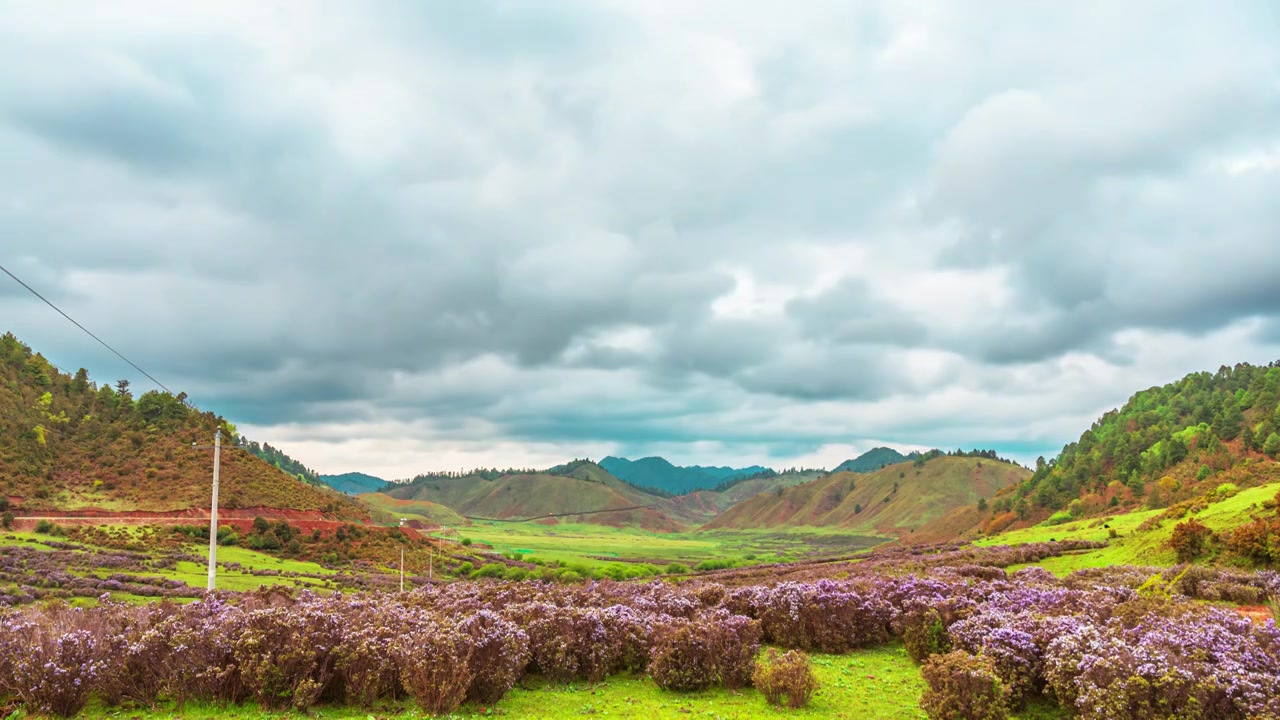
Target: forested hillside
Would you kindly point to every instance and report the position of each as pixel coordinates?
(67, 443)
(278, 458)
(1165, 445)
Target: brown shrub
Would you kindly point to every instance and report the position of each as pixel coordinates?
(963, 687)
(786, 677)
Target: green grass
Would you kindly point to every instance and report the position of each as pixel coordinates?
(1133, 546)
(599, 545)
(881, 683)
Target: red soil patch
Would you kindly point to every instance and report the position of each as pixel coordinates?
(1257, 613)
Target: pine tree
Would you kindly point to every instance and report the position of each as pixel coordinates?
(1272, 446)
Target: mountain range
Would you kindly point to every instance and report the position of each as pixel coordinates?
(659, 473)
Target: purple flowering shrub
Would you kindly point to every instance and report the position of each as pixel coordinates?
(434, 664)
(500, 653)
(53, 659)
(135, 653)
(714, 649)
(827, 615)
(285, 654)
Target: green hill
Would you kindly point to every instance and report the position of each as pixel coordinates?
(580, 492)
(1166, 445)
(67, 443)
(354, 483)
(896, 500)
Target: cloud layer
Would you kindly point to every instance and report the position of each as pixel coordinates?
(433, 234)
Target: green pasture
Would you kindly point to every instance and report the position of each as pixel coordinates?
(1133, 546)
(598, 545)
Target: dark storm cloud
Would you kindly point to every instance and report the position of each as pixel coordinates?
(645, 224)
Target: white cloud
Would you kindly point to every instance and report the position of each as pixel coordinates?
(421, 235)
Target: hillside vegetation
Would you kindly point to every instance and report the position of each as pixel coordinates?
(1165, 445)
(67, 443)
(896, 500)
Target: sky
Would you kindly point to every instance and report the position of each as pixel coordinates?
(406, 236)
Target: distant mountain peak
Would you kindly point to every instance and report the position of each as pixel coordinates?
(873, 460)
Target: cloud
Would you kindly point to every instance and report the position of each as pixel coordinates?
(418, 235)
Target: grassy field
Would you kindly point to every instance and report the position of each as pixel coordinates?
(880, 683)
(598, 545)
(1133, 546)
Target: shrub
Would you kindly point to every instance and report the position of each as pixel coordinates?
(962, 687)
(434, 660)
(136, 654)
(466, 541)
(826, 615)
(53, 660)
(717, 649)
(6, 520)
(489, 570)
(785, 677)
(924, 635)
(1189, 539)
(45, 527)
(499, 656)
(285, 654)
(364, 660)
(676, 568)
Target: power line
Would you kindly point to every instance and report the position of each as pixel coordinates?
(86, 330)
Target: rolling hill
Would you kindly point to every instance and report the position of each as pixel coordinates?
(660, 474)
(68, 444)
(1166, 445)
(579, 492)
(896, 500)
(354, 483)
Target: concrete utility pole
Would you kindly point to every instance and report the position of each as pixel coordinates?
(213, 509)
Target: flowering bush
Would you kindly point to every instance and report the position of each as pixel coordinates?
(434, 660)
(285, 654)
(785, 677)
(54, 659)
(500, 652)
(715, 649)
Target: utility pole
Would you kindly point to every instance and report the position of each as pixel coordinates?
(213, 508)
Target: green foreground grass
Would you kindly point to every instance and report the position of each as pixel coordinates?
(881, 683)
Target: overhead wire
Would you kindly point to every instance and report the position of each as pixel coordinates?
(102, 342)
